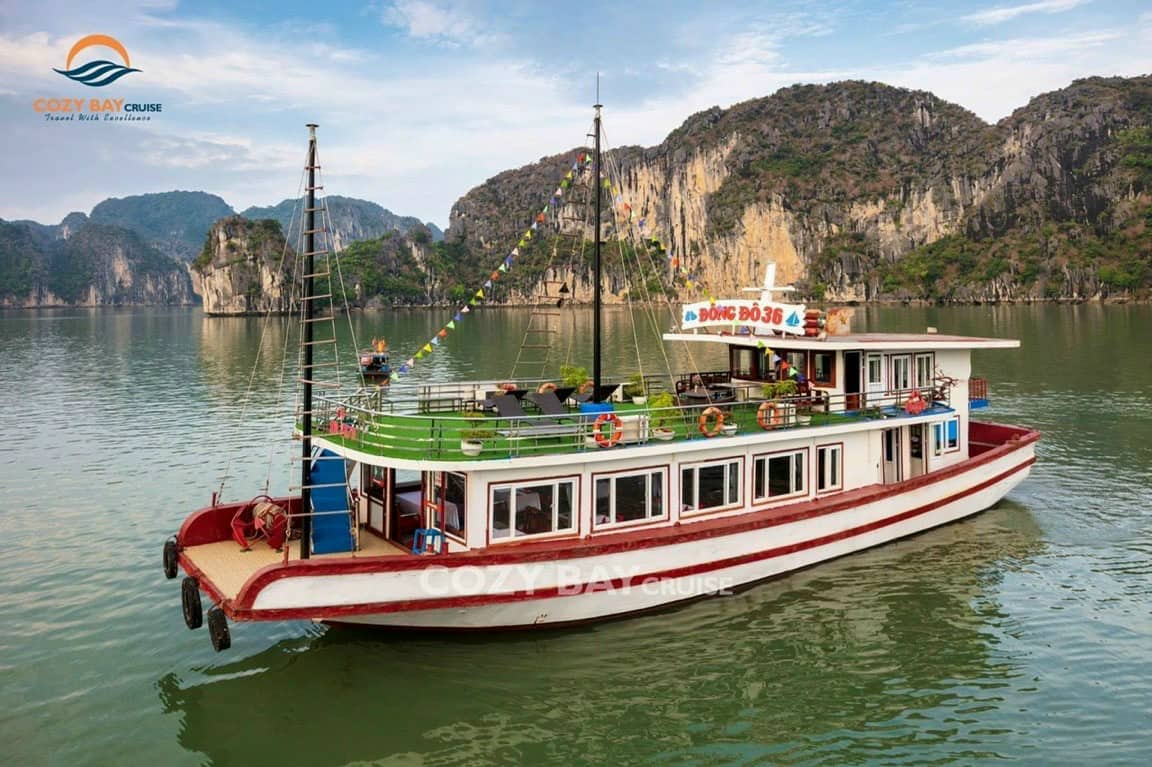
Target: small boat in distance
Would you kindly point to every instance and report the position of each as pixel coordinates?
(449, 506)
(374, 362)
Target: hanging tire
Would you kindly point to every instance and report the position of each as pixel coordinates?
(190, 602)
(170, 556)
(218, 630)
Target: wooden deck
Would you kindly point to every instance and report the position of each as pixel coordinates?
(228, 567)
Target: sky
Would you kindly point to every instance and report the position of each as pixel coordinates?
(420, 101)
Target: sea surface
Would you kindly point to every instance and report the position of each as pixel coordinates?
(1023, 635)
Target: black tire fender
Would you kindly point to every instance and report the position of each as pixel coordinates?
(190, 602)
(171, 555)
(218, 630)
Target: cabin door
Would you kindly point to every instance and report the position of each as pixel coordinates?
(375, 481)
(917, 461)
(892, 450)
(852, 376)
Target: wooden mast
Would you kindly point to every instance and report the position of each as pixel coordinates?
(596, 298)
(306, 371)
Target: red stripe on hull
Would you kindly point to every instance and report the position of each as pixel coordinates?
(246, 613)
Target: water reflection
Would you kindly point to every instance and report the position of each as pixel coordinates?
(815, 666)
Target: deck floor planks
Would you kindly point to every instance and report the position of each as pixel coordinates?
(228, 567)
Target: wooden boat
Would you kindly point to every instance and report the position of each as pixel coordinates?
(374, 362)
(428, 512)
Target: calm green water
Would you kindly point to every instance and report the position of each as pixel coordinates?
(1024, 634)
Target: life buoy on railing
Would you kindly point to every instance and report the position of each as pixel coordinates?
(586, 386)
(915, 404)
(613, 436)
(769, 415)
(546, 387)
(712, 411)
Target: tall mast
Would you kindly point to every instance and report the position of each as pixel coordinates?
(596, 257)
(306, 372)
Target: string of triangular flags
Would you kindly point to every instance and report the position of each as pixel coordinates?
(583, 159)
(625, 208)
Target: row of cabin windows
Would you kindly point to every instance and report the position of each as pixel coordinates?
(759, 365)
(908, 371)
(540, 509)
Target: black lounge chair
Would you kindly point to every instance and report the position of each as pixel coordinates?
(549, 403)
(603, 392)
(522, 425)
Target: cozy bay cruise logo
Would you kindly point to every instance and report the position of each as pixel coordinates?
(92, 69)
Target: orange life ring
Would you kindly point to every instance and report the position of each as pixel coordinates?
(915, 404)
(586, 386)
(769, 415)
(712, 411)
(546, 387)
(614, 436)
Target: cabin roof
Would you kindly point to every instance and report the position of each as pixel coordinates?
(854, 341)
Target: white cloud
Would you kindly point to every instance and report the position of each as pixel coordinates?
(449, 23)
(1001, 14)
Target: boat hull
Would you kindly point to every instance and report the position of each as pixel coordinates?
(630, 572)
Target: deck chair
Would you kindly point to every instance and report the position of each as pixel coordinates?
(604, 392)
(524, 426)
(549, 403)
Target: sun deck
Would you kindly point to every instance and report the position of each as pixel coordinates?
(227, 567)
(445, 416)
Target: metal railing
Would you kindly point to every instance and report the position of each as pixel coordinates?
(435, 428)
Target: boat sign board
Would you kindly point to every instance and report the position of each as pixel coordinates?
(787, 318)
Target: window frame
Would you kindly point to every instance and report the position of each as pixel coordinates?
(752, 352)
(573, 531)
(460, 535)
(695, 467)
(612, 476)
(893, 387)
(766, 457)
(931, 378)
(831, 379)
(839, 486)
(940, 440)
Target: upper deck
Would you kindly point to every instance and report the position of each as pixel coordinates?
(883, 342)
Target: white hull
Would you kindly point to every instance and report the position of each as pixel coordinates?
(578, 589)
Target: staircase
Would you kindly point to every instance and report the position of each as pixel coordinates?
(331, 512)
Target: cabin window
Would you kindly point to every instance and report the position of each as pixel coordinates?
(743, 363)
(875, 372)
(946, 436)
(824, 368)
(451, 490)
(704, 487)
(797, 361)
(779, 476)
(829, 468)
(924, 371)
(901, 372)
(623, 498)
(537, 509)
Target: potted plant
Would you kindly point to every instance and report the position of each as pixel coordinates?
(779, 392)
(575, 376)
(661, 406)
(635, 389)
(472, 439)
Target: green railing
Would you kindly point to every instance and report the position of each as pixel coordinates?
(445, 417)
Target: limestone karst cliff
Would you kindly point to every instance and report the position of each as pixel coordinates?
(862, 191)
(244, 268)
(82, 263)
